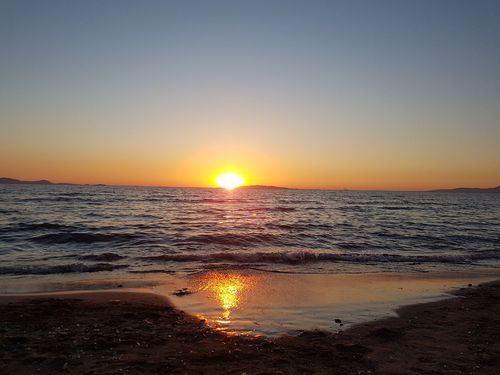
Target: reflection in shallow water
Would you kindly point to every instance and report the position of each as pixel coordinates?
(272, 304)
(227, 289)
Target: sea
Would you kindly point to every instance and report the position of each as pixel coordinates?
(70, 229)
(274, 260)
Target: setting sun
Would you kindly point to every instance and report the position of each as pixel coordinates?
(229, 180)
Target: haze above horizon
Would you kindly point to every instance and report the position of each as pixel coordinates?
(389, 95)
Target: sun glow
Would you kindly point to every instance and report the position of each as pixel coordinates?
(229, 180)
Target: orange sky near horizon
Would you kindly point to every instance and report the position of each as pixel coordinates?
(200, 168)
(154, 155)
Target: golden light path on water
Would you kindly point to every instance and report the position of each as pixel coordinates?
(228, 290)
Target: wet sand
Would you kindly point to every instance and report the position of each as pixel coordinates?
(134, 333)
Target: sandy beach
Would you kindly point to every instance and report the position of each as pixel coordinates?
(138, 333)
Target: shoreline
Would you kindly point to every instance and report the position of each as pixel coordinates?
(142, 333)
(129, 296)
(279, 304)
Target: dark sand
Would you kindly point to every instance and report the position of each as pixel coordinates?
(132, 333)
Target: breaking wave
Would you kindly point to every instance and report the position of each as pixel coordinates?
(234, 239)
(300, 257)
(82, 237)
(60, 268)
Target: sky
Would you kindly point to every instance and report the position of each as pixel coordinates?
(397, 95)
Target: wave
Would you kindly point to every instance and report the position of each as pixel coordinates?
(234, 239)
(217, 200)
(26, 227)
(298, 226)
(270, 209)
(105, 257)
(55, 199)
(70, 199)
(397, 208)
(60, 268)
(41, 226)
(82, 237)
(297, 201)
(301, 257)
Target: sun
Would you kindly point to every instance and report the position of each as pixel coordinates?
(229, 180)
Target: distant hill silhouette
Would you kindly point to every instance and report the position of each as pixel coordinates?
(15, 181)
(468, 190)
(6, 180)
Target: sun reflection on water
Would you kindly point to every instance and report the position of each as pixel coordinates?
(227, 289)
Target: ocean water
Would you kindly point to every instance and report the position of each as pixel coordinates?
(266, 262)
(63, 230)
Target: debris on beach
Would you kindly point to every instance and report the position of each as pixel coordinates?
(182, 292)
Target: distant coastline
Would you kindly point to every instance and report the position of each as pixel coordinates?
(14, 181)
(7, 180)
(468, 190)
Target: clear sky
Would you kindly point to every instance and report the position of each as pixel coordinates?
(329, 94)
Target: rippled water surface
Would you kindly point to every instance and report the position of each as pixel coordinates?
(86, 229)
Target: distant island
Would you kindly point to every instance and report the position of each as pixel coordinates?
(15, 181)
(7, 180)
(468, 190)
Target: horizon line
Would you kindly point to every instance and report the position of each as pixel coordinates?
(250, 185)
